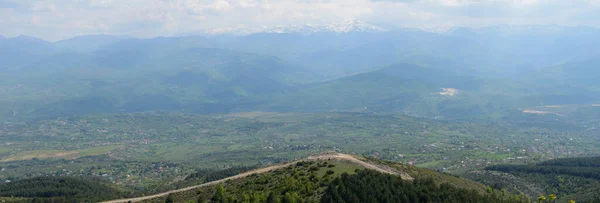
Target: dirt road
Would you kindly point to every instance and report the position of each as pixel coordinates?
(333, 156)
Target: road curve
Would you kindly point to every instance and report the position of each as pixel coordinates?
(328, 156)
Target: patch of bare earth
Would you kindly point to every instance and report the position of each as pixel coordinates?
(449, 92)
(251, 114)
(531, 111)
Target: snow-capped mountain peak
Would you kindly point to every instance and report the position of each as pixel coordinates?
(346, 27)
(354, 26)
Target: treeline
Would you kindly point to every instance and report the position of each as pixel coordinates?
(61, 189)
(208, 175)
(372, 186)
(586, 172)
(573, 162)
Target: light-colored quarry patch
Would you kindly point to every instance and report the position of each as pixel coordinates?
(449, 92)
(531, 111)
(536, 111)
(253, 114)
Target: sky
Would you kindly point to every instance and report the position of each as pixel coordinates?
(60, 19)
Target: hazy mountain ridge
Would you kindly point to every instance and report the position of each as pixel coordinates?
(489, 72)
(344, 27)
(88, 42)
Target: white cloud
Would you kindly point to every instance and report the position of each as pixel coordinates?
(43, 6)
(100, 3)
(58, 19)
(221, 6)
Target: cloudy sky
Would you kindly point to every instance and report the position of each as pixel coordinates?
(59, 19)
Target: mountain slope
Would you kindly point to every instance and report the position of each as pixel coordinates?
(88, 43)
(19, 51)
(134, 79)
(374, 50)
(397, 88)
(565, 86)
(271, 72)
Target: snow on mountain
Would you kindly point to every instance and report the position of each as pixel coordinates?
(359, 26)
(354, 26)
(346, 27)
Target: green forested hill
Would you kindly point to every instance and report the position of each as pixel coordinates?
(61, 189)
(340, 181)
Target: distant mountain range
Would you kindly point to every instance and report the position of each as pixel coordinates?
(356, 26)
(346, 27)
(512, 29)
(491, 72)
(360, 26)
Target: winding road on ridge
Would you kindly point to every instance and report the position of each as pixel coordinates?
(328, 156)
